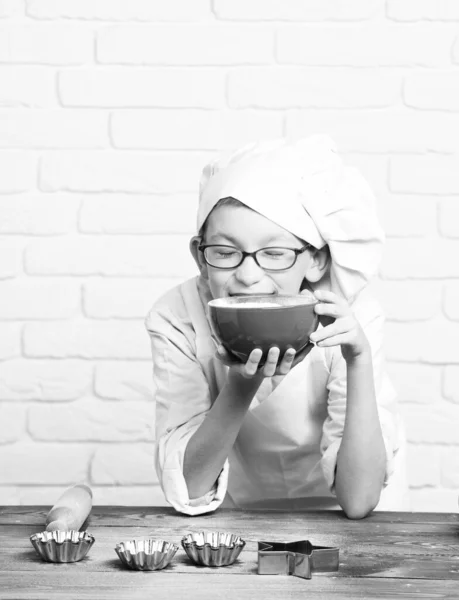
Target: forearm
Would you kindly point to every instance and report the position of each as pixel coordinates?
(212, 442)
(361, 459)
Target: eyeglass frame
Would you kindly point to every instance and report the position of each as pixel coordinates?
(297, 251)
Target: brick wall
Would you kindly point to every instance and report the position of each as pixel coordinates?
(108, 111)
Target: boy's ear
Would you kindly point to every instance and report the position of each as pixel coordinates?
(195, 242)
(318, 266)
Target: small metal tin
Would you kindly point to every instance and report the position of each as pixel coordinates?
(300, 559)
(146, 555)
(62, 546)
(213, 549)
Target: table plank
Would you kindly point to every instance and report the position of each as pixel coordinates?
(405, 551)
(399, 555)
(127, 516)
(163, 585)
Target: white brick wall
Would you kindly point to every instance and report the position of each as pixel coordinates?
(109, 110)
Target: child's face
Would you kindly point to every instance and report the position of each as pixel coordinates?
(249, 231)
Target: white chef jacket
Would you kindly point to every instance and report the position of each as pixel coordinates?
(287, 447)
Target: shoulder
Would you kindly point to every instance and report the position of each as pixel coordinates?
(170, 314)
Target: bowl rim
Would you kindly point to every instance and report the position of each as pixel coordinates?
(231, 301)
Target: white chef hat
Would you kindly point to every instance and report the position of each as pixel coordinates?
(304, 187)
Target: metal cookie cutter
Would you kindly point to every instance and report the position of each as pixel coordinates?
(300, 559)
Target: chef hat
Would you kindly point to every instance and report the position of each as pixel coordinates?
(304, 187)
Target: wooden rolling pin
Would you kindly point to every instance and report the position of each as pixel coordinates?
(71, 510)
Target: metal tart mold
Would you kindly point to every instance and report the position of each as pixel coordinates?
(213, 549)
(62, 546)
(146, 554)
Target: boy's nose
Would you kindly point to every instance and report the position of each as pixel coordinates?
(249, 272)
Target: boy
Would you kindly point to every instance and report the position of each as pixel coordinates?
(320, 429)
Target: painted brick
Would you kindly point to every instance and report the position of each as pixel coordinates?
(193, 129)
(455, 51)
(416, 382)
(159, 256)
(107, 10)
(12, 423)
(129, 381)
(127, 213)
(124, 465)
(185, 45)
(67, 44)
(11, 251)
(451, 302)
(10, 495)
(121, 172)
(416, 10)
(27, 87)
(435, 90)
(432, 174)
(41, 464)
(297, 10)
(19, 171)
(431, 500)
(433, 342)
(409, 300)
(295, 87)
(373, 167)
(391, 130)
(423, 466)
(408, 216)
(161, 87)
(420, 258)
(58, 380)
(451, 383)
(442, 422)
(450, 468)
(10, 8)
(31, 299)
(92, 420)
(10, 340)
(38, 214)
(399, 45)
(87, 339)
(449, 217)
(123, 298)
(151, 495)
(53, 129)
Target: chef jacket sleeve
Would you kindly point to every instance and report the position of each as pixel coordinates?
(182, 401)
(370, 317)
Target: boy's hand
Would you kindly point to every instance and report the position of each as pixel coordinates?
(272, 366)
(341, 328)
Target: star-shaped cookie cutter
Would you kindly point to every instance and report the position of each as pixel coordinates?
(300, 559)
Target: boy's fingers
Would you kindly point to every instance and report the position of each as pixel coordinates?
(251, 365)
(335, 340)
(325, 296)
(287, 361)
(271, 362)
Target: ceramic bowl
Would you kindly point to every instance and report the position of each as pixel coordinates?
(243, 323)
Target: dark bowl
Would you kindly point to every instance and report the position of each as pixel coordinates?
(243, 323)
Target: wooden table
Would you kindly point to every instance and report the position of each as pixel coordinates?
(387, 555)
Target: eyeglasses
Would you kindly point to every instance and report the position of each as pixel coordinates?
(269, 259)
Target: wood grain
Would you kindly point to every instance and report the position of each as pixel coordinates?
(399, 555)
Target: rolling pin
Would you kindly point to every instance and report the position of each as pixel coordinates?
(71, 510)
